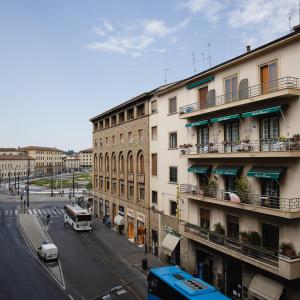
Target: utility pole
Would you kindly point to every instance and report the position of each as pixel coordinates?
(9, 180)
(194, 62)
(73, 184)
(18, 183)
(166, 69)
(51, 180)
(28, 173)
(15, 179)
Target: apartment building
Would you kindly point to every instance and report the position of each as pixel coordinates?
(47, 159)
(85, 158)
(121, 168)
(229, 137)
(71, 163)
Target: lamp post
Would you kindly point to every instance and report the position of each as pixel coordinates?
(73, 184)
(15, 179)
(9, 180)
(28, 173)
(18, 183)
(51, 180)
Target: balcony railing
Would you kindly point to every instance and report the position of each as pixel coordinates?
(285, 204)
(121, 175)
(113, 174)
(265, 145)
(256, 252)
(130, 176)
(141, 178)
(250, 92)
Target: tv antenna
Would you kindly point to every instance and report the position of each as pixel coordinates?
(166, 70)
(208, 52)
(292, 12)
(203, 61)
(194, 62)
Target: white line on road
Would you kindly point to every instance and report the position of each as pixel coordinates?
(39, 211)
(62, 211)
(43, 212)
(70, 296)
(30, 212)
(6, 212)
(16, 212)
(34, 211)
(53, 211)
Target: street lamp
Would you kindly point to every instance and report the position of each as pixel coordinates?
(18, 183)
(28, 173)
(73, 183)
(51, 180)
(9, 180)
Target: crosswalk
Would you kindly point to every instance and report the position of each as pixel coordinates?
(34, 211)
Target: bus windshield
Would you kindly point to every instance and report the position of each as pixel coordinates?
(84, 218)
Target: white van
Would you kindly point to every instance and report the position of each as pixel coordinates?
(48, 252)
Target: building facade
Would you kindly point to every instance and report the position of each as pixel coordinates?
(71, 163)
(121, 168)
(47, 160)
(86, 159)
(238, 204)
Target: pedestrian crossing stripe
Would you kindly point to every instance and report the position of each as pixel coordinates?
(30, 212)
(42, 212)
(34, 211)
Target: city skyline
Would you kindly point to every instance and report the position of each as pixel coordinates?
(64, 61)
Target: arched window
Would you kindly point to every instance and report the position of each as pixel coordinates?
(130, 163)
(107, 162)
(101, 162)
(113, 162)
(95, 162)
(121, 162)
(141, 163)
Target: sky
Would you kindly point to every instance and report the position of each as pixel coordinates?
(65, 61)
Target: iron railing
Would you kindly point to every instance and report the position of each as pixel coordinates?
(265, 145)
(256, 252)
(284, 204)
(141, 178)
(250, 92)
(130, 176)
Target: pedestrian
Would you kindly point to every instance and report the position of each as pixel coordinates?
(22, 195)
(48, 219)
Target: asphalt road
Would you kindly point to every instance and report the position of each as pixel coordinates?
(89, 266)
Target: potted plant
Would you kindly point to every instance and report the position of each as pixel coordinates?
(282, 139)
(296, 137)
(254, 238)
(246, 141)
(219, 233)
(237, 142)
(287, 249)
(211, 188)
(244, 236)
(242, 188)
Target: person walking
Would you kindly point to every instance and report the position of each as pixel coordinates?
(48, 219)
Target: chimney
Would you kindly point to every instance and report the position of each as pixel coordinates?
(248, 48)
(296, 28)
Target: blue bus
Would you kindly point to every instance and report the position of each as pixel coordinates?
(168, 283)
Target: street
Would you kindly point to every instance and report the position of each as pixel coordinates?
(90, 265)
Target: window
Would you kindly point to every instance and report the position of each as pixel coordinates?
(107, 184)
(231, 136)
(231, 88)
(95, 126)
(153, 106)
(121, 117)
(173, 208)
(130, 137)
(122, 188)
(154, 133)
(106, 122)
(113, 120)
(140, 134)
(114, 187)
(172, 140)
(270, 236)
(154, 164)
(173, 105)
(205, 218)
(113, 139)
(100, 125)
(130, 114)
(142, 193)
(230, 183)
(202, 97)
(269, 133)
(130, 191)
(154, 197)
(121, 138)
(233, 227)
(268, 77)
(106, 141)
(140, 110)
(173, 175)
(270, 193)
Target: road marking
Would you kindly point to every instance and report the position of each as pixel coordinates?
(62, 211)
(47, 212)
(70, 296)
(54, 212)
(39, 211)
(30, 212)
(16, 212)
(34, 211)
(43, 212)
(6, 212)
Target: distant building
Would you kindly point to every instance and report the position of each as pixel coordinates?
(71, 163)
(47, 160)
(85, 159)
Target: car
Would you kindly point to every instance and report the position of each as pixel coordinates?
(48, 252)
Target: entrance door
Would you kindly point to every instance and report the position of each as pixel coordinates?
(202, 139)
(202, 97)
(231, 136)
(264, 79)
(233, 278)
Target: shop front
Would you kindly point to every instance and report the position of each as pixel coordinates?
(130, 224)
(141, 230)
(170, 246)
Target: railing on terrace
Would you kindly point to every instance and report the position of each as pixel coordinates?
(265, 145)
(285, 204)
(256, 252)
(250, 92)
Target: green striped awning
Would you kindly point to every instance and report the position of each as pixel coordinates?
(225, 118)
(199, 169)
(227, 170)
(260, 112)
(261, 172)
(200, 82)
(198, 123)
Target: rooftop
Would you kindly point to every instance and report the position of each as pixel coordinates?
(15, 157)
(41, 148)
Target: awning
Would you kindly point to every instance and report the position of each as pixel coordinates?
(265, 288)
(261, 172)
(200, 82)
(199, 169)
(264, 111)
(225, 118)
(226, 170)
(119, 220)
(198, 123)
(169, 243)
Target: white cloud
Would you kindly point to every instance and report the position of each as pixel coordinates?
(136, 37)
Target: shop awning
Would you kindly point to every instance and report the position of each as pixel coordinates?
(265, 288)
(199, 169)
(119, 220)
(226, 170)
(260, 112)
(225, 118)
(198, 123)
(200, 82)
(261, 172)
(169, 243)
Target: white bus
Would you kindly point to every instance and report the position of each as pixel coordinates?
(77, 217)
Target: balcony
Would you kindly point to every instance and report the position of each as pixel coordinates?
(275, 206)
(121, 175)
(114, 174)
(246, 148)
(141, 178)
(130, 176)
(255, 255)
(283, 87)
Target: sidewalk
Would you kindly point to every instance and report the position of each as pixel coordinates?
(129, 252)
